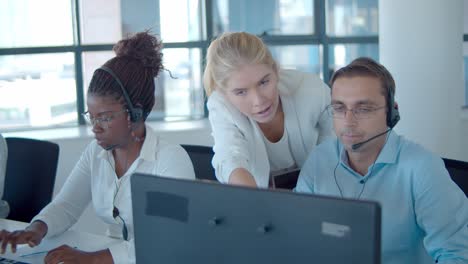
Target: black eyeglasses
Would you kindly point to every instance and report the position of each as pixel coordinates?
(115, 214)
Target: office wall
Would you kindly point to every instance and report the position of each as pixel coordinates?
(421, 44)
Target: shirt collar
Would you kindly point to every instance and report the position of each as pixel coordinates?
(148, 148)
(388, 154)
(150, 145)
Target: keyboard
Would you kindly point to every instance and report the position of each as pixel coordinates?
(10, 261)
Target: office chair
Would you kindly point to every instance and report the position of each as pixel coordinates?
(287, 180)
(458, 171)
(201, 157)
(30, 176)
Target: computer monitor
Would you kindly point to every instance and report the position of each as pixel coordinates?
(184, 221)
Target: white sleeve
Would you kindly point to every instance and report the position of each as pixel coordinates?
(230, 145)
(72, 199)
(174, 162)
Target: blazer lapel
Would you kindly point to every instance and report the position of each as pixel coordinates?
(293, 127)
(260, 155)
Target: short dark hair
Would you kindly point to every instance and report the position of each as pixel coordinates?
(364, 66)
(137, 63)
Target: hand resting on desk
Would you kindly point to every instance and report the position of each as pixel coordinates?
(33, 234)
(69, 254)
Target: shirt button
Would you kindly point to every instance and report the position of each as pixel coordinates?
(362, 181)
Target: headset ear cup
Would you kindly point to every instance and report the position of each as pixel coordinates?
(393, 117)
(136, 114)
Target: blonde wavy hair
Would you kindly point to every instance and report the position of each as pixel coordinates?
(228, 53)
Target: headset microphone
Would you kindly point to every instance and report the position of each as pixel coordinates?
(393, 116)
(111, 147)
(358, 145)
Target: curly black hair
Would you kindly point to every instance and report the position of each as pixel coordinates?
(137, 63)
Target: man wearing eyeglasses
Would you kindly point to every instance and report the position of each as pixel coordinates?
(424, 213)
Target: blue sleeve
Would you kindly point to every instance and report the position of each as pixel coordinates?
(442, 213)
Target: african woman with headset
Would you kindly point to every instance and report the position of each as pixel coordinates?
(120, 97)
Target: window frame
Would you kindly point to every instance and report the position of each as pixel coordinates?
(319, 38)
(77, 49)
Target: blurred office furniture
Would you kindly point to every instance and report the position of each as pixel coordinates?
(30, 176)
(287, 180)
(201, 157)
(458, 170)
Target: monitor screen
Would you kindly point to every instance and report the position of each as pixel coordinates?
(184, 221)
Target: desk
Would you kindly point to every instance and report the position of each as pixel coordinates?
(82, 240)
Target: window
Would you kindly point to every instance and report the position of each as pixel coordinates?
(315, 36)
(37, 87)
(27, 85)
(277, 17)
(352, 18)
(182, 95)
(37, 29)
(181, 20)
(45, 72)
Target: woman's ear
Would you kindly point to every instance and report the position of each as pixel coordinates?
(129, 121)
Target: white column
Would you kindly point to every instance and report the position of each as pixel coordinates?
(420, 43)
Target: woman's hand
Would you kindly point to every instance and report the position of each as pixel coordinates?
(32, 236)
(67, 254)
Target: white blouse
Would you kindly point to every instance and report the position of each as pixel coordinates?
(279, 154)
(94, 180)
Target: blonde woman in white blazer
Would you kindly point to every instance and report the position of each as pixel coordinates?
(264, 120)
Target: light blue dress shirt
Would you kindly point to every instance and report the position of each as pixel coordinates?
(424, 213)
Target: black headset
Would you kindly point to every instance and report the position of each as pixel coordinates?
(393, 115)
(136, 113)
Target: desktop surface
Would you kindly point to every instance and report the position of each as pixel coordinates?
(25, 254)
(182, 221)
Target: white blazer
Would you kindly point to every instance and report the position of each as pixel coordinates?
(238, 140)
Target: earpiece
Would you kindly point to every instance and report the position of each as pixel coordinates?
(135, 113)
(393, 115)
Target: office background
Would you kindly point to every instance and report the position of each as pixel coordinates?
(49, 50)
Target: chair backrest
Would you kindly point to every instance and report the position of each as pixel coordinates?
(201, 157)
(30, 176)
(458, 170)
(287, 180)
